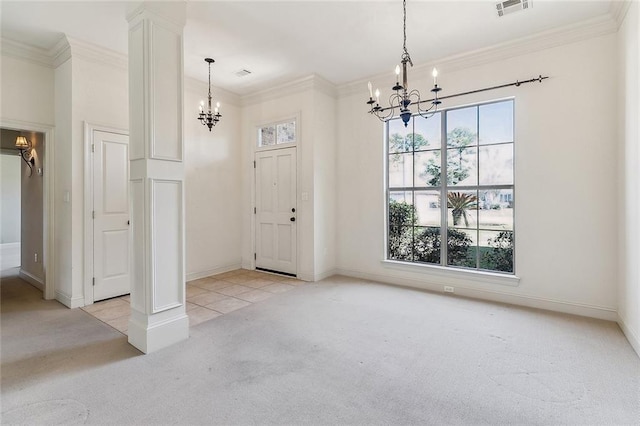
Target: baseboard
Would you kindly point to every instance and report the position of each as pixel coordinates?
(152, 337)
(630, 335)
(202, 274)
(584, 310)
(76, 302)
(326, 274)
(31, 279)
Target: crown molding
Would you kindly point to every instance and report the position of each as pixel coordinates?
(66, 48)
(20, 50)
(300, 85)
(194, 85)
(97, 54)
(60, 52)
(618, 10)
(545, 40)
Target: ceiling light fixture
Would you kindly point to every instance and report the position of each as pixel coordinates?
(209, 118)
(24, 146)
(403, 98)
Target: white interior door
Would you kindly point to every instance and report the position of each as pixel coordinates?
(276, 210)
(111, 242)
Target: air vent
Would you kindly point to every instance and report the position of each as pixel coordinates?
(243, 73)
(510, 6)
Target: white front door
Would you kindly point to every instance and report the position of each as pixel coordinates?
(276, 210)
(111, 242)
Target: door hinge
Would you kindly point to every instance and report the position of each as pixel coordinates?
(93, 148)
(255, 256)
(255, 210)
(94, 280)
(93, 214)
(254, 164)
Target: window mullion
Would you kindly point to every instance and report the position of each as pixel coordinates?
(477, 187)
(443, 189)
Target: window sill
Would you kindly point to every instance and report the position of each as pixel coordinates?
(454, 273)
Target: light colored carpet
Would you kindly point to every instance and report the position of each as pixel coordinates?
(341, 351)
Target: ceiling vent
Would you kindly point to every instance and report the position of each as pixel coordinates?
(243, 73)
(510, 6)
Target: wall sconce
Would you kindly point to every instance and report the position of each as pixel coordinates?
(24, 146)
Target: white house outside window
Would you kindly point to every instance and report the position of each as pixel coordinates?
(473, 147)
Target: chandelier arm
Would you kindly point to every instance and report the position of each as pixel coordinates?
(426, 113)
(397, 97)
(383, 117)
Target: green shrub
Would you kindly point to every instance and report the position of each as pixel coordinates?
(425, 245)
(500, 256)
(428, 245)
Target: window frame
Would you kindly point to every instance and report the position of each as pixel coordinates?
(444, 188)
(275, 123)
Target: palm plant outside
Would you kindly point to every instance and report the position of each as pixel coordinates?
(459, 203)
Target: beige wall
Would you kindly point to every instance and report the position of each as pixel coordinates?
(315, 110)
(212, 185)
(22, 205)
(27, 91)
(566, 181)
(629, 176)
(10, 201)
(32, 217)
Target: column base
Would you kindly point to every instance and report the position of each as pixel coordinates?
(149, 336)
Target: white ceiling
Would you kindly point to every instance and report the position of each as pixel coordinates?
(281, 41)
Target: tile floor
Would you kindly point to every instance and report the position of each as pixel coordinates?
(207, 298)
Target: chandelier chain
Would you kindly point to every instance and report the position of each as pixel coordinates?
(404, 26)
(405, 53)
(209, 83)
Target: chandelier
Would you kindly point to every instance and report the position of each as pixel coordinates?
(404, 99)
(209, 118)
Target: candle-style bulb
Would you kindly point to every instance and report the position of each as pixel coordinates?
(434, 73)
(370, 90)
(201, 103)
(378, 95)
(397, 70)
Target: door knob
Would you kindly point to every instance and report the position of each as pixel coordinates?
(293, 210)
(293, 219)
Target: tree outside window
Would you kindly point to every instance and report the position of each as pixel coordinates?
(476, 219)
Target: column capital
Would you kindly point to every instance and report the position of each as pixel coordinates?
(171, 12)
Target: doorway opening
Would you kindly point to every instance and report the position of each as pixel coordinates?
(276, 211)
(107, 224)
(23, 239)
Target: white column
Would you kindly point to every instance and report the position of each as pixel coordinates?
(158, 316)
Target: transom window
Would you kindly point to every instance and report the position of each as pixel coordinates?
(277, 133)
(464, 156)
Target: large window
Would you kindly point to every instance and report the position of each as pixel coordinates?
(465, 157)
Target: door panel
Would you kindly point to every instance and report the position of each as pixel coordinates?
(276, 210)
(111, 239)
(115, 168)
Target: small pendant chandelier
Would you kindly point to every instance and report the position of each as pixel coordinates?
(209, 118)
(403, 99)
